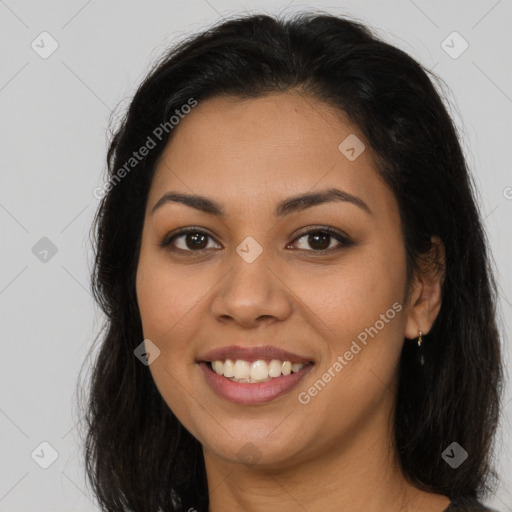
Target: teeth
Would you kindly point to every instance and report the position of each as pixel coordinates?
(258, 371)
(296, 367)
(218, 367)
(229, 368)
(242, 369)
(286, 369)
(274, 368)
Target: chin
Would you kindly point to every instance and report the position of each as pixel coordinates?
(259, 448)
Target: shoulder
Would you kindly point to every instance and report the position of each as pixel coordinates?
(467, 504)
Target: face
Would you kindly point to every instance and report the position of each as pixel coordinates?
(258, 280)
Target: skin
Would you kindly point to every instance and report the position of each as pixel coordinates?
(335, 452)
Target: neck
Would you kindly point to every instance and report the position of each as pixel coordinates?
(362, 475)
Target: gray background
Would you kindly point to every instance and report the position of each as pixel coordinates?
(54, 114)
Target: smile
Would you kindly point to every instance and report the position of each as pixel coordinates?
(258, 371)
(247, 391)
(252, 374)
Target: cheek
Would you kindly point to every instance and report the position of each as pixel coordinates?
(359, 312)
(166, 295)
(165, 298)
(350, 296)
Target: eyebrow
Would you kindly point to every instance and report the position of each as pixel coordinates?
(290, 205)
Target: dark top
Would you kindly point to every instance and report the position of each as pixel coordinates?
(467, 505)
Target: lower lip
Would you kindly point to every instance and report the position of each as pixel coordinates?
(246, 393)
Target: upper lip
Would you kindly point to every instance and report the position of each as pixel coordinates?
(251, 354)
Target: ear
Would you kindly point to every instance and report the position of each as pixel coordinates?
(425, 294)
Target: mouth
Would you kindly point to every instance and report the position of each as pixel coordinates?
(253, 376)
(261, 370)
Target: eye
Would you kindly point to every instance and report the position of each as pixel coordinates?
(321, 239)
(193, 240)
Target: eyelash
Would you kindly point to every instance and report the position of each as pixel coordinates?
(344, 240)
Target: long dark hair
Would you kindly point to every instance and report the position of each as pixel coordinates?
(138, 455)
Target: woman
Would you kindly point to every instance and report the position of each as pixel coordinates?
(300, 311)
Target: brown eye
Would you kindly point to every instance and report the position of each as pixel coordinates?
(191, 240)
(196, 240)
(321, 240)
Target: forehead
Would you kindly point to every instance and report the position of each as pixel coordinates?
(268, 147)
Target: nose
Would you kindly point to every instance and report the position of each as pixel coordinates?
(252, 293)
